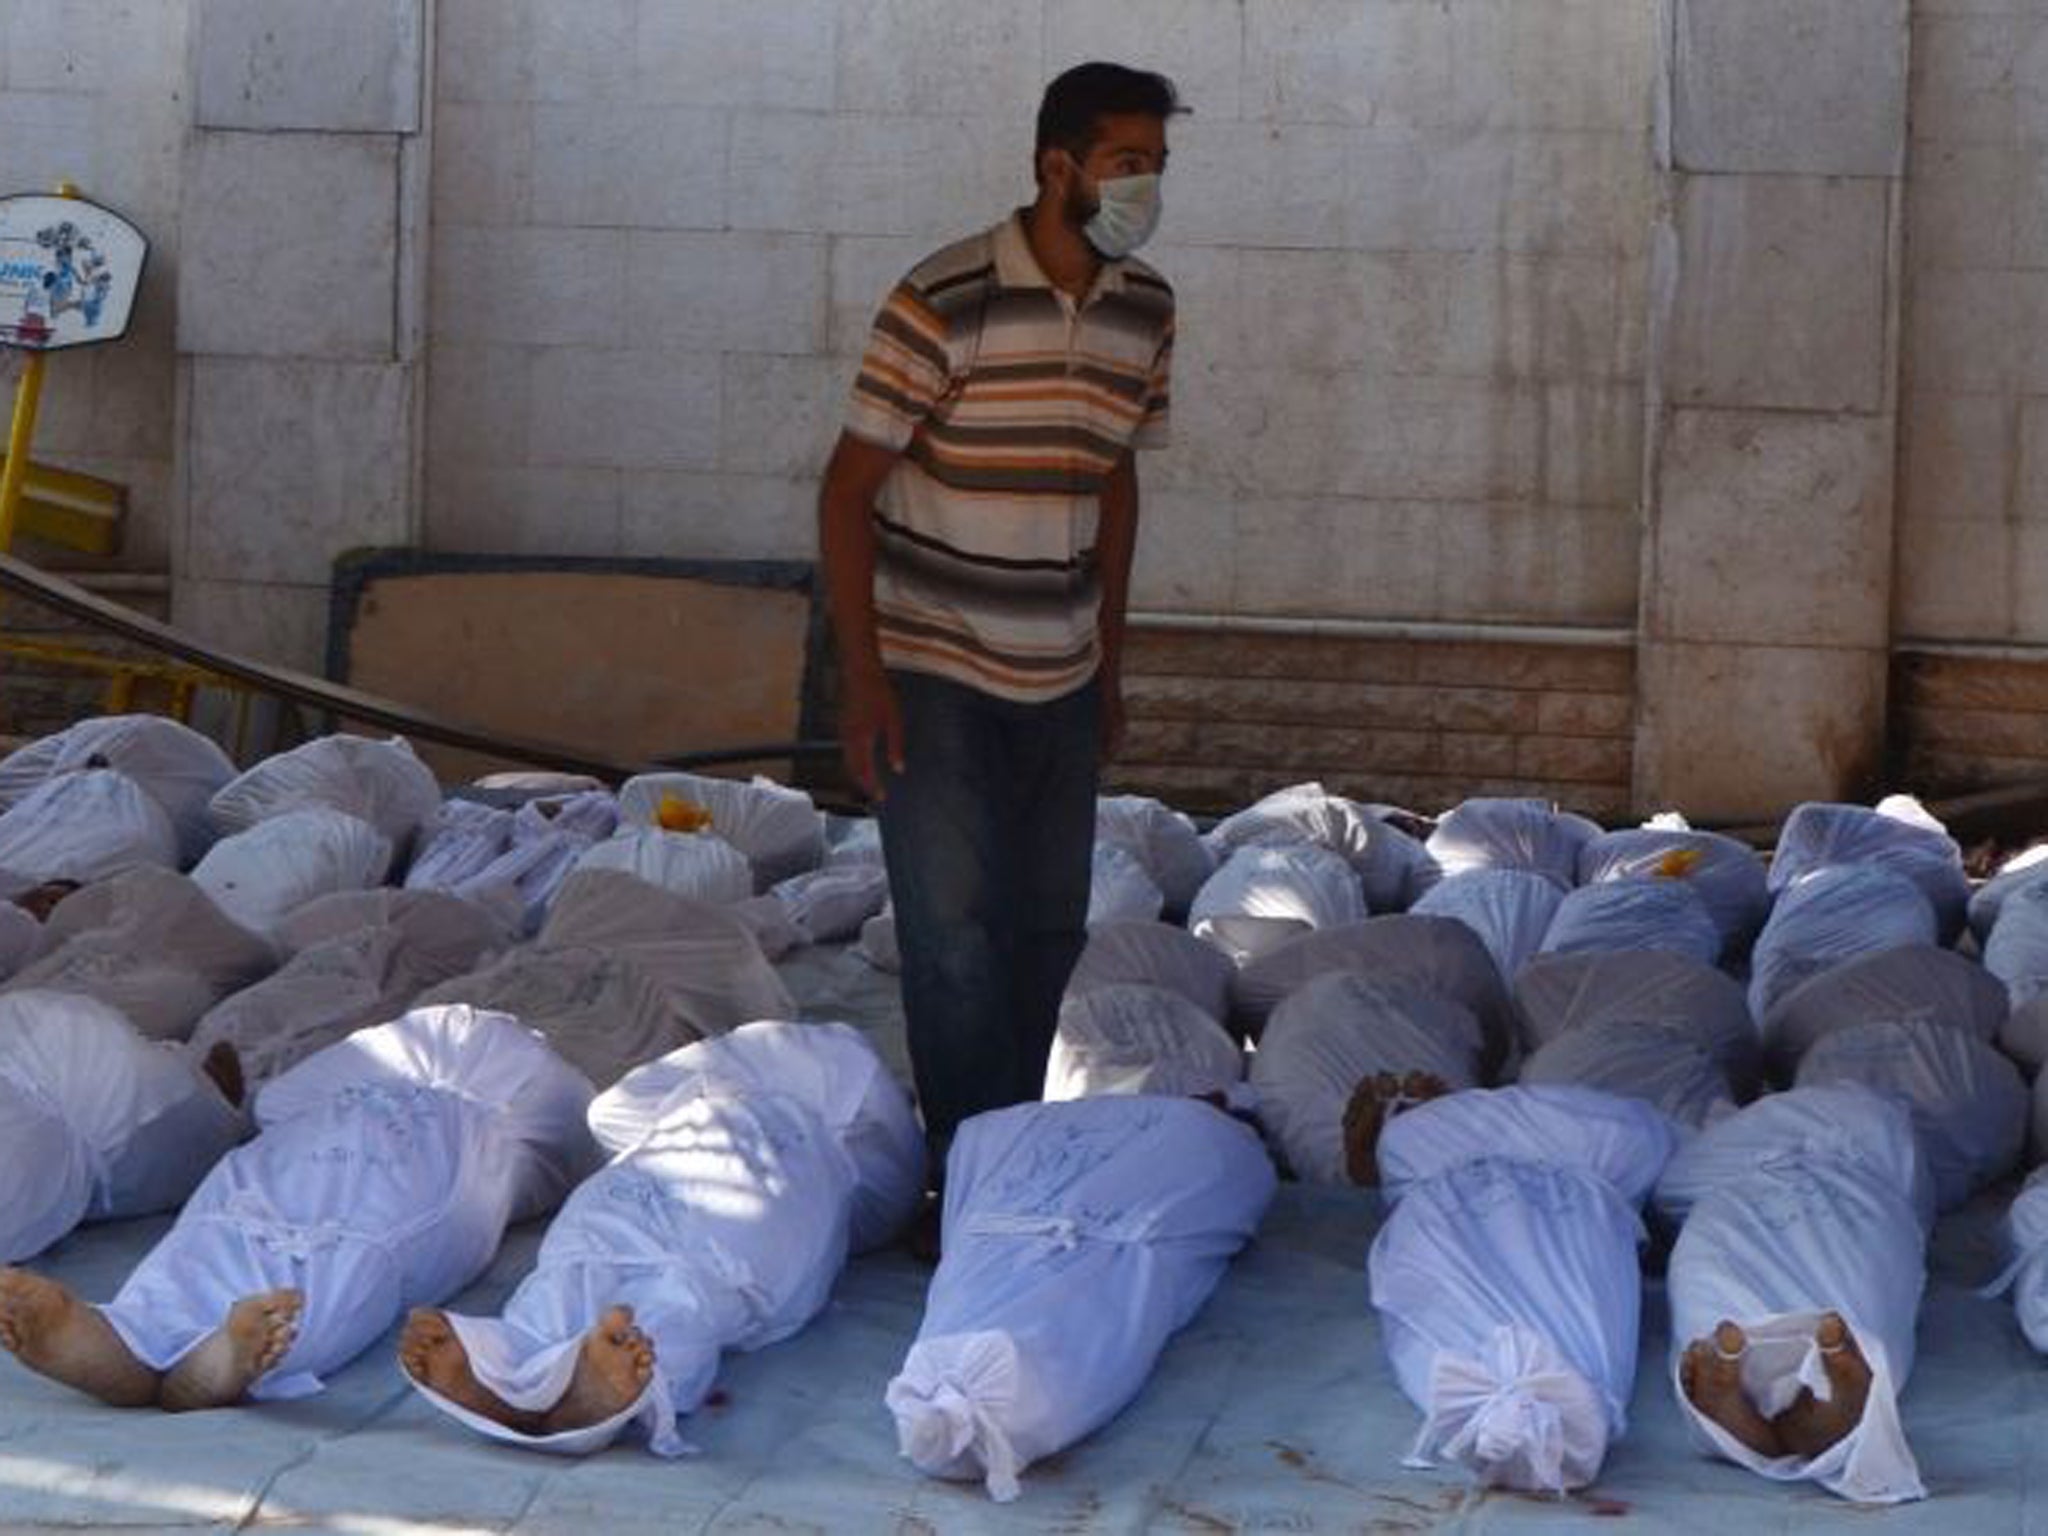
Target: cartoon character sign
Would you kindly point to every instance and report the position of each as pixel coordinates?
(68, 272)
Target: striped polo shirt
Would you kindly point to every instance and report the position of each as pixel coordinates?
(1010, 404)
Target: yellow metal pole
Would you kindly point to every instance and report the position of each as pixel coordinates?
(27, 398)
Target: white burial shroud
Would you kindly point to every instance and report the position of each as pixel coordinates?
(744, 1169)
(95, 1121)
(385, 1173)
(1079, 1237)
(1506, 1276)
(1807, 1202)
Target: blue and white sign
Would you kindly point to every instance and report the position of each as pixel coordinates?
(68, 272)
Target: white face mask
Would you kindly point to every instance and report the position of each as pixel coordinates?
(1125, 217)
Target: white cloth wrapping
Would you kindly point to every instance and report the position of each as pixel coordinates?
(1079, 1237)
(20, 937)
(1120, 890)
(1506, 1276)
(1556, 994)
(1805, 1203)
(1667, 1066)
(149, 944)
(829, 905)
(1439, 954)
(2017, 955)
(1261, 896)
(2025, 868)
(778, 829)
(83, 827)
(590, 814)
(1635, 915)
(1726, 875)
(385, 1173)
(2026, 1252)
(1392, 867)
(1510, 909)
(1511, 834)
(699, 865)
(1162, 840)
(1833, 915)
(461, 840)
(359, 958)
(743, 1171)
(856, 840)
(95, 1121)
(1337, 1030)
(261, 876)
(381, 782)
(1155, 955)
(1138, 1039)
(1969, 1104)
(877, 944)
(480, 852)
(1914, 981)
(180, 768)
(625, 972)
(1898, 835)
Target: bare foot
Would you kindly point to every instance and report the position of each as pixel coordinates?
(1710, 1371)
(56, 1335)
(431, 1351)
(1373, 1102)
(613, 1369)
(223, 1065)
(221, 1368)
(1809, 1426)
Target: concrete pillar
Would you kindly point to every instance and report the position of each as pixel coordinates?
(301, 266)
(1767, 553)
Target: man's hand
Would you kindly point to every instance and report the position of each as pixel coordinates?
(1112, 717)
(870, 721)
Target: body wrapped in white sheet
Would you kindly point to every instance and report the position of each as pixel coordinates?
(1619, 915)
(699, 865)
(180, 768)
(1899, 835)
(1511, 834)
(360, 958)
(1506, 1276)
(1556, 994)
(744, 1169)
(20, 936)
(381, 782)
(778, 829)
(260, 876)
(1807, 1202)
(2026, 1252)
(1261, 896)
(1155, 955)
(1338, 1030)
(1969, 1104)
(1833, 915)
(95, 1121)
(82, 827)
(149, 944)
(1509, 909)
(1439, 954)
(1726, 875)
(1392, 867)
(1137, 1039)
(385, 1173)
(1161, 839)
(1667, 1066)
(1120, 889)
(1079, 1237)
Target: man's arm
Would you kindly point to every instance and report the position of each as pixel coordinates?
(868, 714)
(1116, 542)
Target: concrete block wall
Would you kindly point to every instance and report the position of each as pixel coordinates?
(1973, 500)
(296, 310)
(1407, 235)
(96, 92)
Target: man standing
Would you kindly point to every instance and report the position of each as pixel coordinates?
(976, 528)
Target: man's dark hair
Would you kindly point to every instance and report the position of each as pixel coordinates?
(1078, 99)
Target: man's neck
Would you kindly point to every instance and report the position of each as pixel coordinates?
(1063, 255)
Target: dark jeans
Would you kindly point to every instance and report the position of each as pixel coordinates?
(989, 834)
